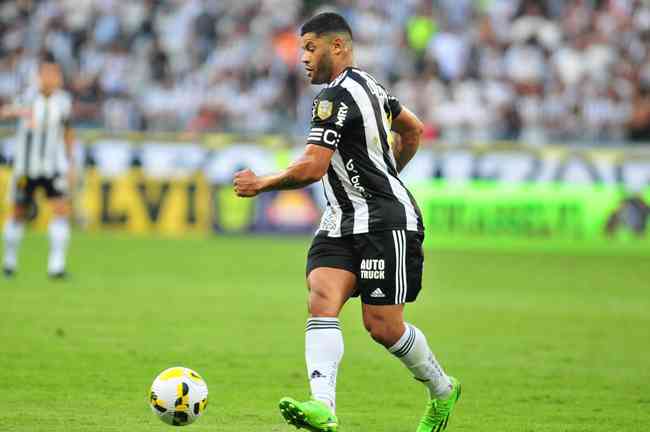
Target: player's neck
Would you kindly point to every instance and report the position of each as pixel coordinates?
(337, 70)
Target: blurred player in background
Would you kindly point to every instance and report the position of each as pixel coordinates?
(369, 242)
(43, 150)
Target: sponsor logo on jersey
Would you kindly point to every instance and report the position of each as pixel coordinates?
(341, 114)
(372, 268)
(324, 110)
(331, 137)
(375, 88)
(355, 179)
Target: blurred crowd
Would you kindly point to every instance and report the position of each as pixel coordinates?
(537, 71)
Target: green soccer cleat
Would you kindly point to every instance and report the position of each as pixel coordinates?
(312, 415)
(436, 416)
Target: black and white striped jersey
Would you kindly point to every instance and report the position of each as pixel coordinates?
(39, 147)
(364, 194)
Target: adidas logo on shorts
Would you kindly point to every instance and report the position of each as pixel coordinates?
(378, 293)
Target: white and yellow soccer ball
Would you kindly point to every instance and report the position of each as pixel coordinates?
(178, 396)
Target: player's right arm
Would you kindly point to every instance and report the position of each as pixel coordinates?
(19, 107)
(329, 116)
(11, 111)
(409, 129)
(310, 167)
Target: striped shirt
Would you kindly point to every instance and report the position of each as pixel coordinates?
(352, 116)
(40, 149)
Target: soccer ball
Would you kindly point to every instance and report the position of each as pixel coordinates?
(178, 396)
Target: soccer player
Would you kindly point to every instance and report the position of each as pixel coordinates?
(44, 143)
(369, 242)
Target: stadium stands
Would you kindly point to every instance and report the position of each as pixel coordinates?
(550, 71)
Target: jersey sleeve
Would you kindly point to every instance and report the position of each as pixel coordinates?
(25, 98)
(331, 113)
(395, 106)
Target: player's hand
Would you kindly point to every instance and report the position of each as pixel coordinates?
(246, 183)
(14, 111)
(72, 180)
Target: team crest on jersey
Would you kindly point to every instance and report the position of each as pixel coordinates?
(324, 110)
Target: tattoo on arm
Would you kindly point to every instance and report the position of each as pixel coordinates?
(289, 182)
(284, 182)
(300, 173)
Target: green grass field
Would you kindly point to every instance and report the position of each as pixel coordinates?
(541, 343)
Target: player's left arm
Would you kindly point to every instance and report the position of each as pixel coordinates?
(408, 129)
(69, 139)
(310, 167)
(17, 109)
(10, 112)
(68, 131)
(69, 142)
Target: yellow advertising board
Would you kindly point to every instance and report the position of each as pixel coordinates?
(143, 205)
(130, 202)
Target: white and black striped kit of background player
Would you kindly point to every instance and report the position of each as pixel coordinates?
(372, 226)
(39, 152)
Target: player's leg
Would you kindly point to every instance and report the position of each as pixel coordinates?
(329, 289)
(331, 282)
(391, 273)
(13, 235)
(21, 193)
(386, 325)
(59, 234)
(56, 189)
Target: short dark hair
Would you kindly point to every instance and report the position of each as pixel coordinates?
(46, 56)
(326, 22)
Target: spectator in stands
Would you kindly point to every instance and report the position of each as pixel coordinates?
(496, 69)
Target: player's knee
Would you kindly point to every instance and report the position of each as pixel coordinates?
(380, 334)
(19, 213)
(377, 328)
(327, 293)
(320, 304)
(382, 331)
(60, 208)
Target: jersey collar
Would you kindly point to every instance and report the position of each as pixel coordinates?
(340, 77)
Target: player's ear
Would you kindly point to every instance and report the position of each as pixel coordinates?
(337, 44)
